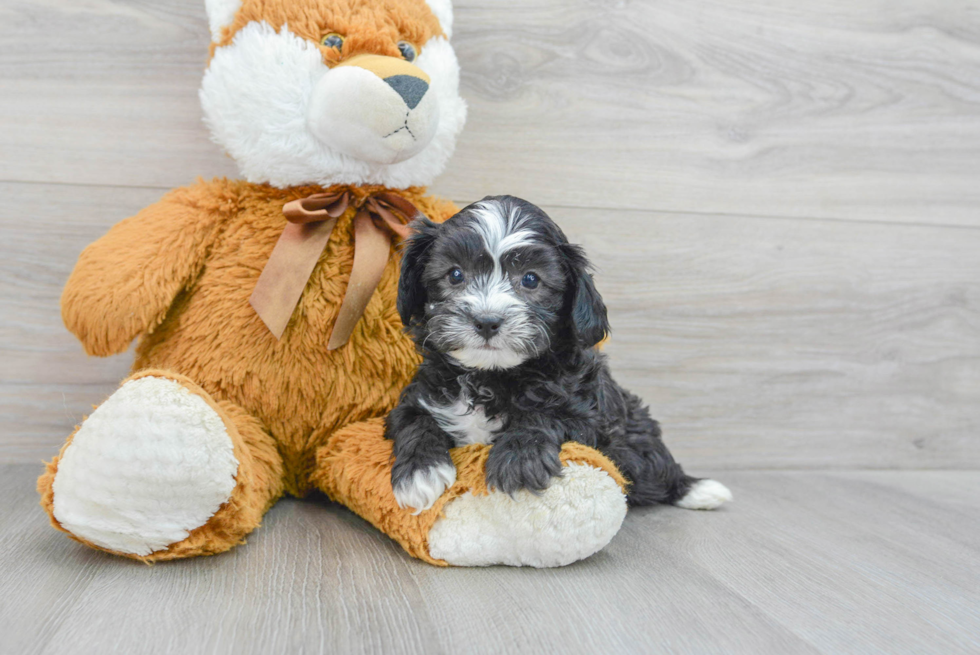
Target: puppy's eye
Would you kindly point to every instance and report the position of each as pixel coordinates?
(408, 50)
(530, 280)
(455, 276)
(332, 40)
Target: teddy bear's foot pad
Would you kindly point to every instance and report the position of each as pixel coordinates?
(576, 516)
(152, 463)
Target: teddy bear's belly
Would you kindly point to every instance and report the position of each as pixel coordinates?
(301, 391)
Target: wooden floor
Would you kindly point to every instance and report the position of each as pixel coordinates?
(783, 203)
(803, 562)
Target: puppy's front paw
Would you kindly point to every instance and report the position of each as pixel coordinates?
(512, 466)
(419, 488)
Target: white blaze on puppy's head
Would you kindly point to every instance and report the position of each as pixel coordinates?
(334, 91)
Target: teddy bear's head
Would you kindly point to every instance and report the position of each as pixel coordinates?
(333, 91)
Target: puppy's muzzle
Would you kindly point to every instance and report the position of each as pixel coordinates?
(487, 326)
(375, 108)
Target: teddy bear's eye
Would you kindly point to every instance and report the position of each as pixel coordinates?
(333, 40)
(408, 50)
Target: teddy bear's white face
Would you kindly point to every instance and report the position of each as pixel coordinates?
(289, 116)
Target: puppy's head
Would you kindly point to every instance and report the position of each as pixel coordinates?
(496, 285)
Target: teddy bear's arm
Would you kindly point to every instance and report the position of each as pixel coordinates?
(124, 283)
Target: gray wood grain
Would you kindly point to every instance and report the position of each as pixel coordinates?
(807, 344)
(758, 342)
(802, 562)
(833, 109)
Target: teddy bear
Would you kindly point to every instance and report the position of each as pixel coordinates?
(269, 347)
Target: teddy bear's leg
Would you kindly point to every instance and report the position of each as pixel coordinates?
(576, 516)
(161, 471)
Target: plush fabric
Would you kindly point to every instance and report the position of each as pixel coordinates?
(259, 483)
(268, 78)
(354, 467)
(220, 418)
(180, 273)
(154, 438)
(366, 26)
(584, 509)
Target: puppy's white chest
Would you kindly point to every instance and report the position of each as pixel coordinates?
(465, 422)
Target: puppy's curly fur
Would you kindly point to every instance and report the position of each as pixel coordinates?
(506, 316)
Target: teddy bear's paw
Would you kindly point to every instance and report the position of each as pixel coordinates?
(152, 463)
(576, 516)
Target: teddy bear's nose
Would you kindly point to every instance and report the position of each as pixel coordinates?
(410, 88)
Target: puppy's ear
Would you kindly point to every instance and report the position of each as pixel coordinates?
(586, 311)
(411, 290)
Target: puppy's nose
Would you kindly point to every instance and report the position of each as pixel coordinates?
(410, 88)
(487, 326)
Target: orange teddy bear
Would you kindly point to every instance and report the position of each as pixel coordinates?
(269, 345)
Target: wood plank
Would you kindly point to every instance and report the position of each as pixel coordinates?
(41, 574)
(836, 109)
(802, 562)
(806, 344)
(115, 91)
(758, 342)
(825, 555)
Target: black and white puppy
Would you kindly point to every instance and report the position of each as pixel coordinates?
(506, 317)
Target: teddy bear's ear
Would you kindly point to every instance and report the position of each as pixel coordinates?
(443, 9)
(222, 12)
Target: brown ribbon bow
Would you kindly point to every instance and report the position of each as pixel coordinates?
(311, 220)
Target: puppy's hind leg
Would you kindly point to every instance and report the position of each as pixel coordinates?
(642, 457)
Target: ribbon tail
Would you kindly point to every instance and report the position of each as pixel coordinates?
(372, 247)
(384, 203)
(285, 275)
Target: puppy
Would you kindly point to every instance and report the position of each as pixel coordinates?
(506, 317)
